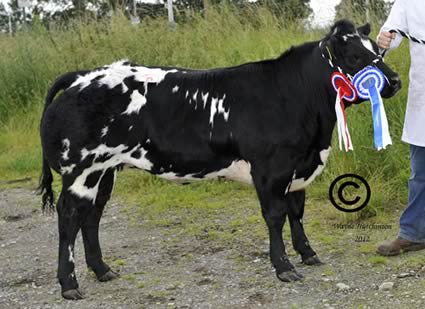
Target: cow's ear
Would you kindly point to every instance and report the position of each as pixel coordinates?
(341, 28)
(365, 29)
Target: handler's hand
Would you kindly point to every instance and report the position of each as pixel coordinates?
(384, 39)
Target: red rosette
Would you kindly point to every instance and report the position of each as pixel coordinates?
(344, 86)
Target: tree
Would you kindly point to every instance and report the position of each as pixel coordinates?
(361, 10)
(4, 19)
(288, 9)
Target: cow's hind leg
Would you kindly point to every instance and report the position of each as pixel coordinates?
(69, 214)
(296, 202)
(90, 229)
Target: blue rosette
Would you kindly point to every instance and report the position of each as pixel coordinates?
(369, 84)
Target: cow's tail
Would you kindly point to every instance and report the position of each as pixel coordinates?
(46, 179)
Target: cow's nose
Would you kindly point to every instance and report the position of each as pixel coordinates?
(395, 83)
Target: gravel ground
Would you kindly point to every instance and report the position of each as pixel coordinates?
(160, 272)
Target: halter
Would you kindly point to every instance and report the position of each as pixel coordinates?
(331, 63)
(330, 60)
(368, 83)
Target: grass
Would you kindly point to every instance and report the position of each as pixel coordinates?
(31, 60)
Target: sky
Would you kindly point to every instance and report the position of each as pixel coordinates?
(324, 11)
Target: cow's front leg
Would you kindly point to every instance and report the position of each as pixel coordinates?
(296, 202)
(274, 210)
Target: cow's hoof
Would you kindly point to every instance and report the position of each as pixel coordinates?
(73, 294)
(290, 276)
(312, 260)
(108, 276)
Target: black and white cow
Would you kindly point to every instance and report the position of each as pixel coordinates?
(266, 123)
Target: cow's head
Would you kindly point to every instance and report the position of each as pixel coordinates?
(351, 49)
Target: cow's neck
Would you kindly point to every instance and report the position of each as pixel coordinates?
(315, 73)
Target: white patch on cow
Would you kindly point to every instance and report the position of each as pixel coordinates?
(301, 184)
(221, 110)
(205, 98)
(104, 131)
(137, 101)
(142, 162)
(84, 80)
(65, 144)
(114, 75)
(171, 176)
(287, 188)
(218, 108)
(175, 89)
(368, 45)
(84, 154)
(71, 254)
(353, 35)
(213, 110)
(67, 169)
(195, 95)
(187, 94)
(324, 155)
(130, 128)
(118, 155)
(103, 149)
(238, 170)
(148, 141)
(114, 180)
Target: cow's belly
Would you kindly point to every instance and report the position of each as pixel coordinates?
(239, 170)
(298, 184)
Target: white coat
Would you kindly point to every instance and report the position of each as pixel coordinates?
(409, 16)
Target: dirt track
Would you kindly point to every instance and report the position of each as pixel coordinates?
(161, 273)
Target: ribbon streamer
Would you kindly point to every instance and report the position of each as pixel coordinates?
(369, 83)
(345, 91)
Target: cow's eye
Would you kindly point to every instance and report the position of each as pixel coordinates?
(353, 59)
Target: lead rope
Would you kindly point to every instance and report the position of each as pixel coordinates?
(407, 36)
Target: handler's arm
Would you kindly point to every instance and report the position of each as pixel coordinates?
(396, 20)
